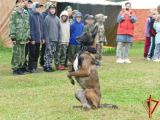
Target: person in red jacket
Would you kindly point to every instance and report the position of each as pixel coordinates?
(126, 20)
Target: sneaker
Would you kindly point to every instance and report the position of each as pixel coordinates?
(25, 70)
(47, 69)
(127, 61)
(61, 67)
(120, 61)
(51, 69)
(148, 59)
(33, 71)
(156, 60)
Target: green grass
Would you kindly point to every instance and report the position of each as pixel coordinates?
(50, 96)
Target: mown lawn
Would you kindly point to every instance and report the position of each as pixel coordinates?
(50, 96)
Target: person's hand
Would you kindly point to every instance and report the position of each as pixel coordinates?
(42, 42)
(27, 41)
(14, 42)
(33, 42)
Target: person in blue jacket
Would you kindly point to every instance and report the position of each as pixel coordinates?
(37, 36)
(76, 30)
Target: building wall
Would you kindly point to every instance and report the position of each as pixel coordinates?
(140, 24)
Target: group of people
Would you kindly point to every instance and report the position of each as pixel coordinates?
(40, 35)
(152, 35)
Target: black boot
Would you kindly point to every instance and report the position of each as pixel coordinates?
(18, 72)
(35, 66)
(47, 69)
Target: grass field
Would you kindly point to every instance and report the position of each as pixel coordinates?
(50, 96)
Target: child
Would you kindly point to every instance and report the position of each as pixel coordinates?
(156, 26)
(126, 20)
(77, 28)
(52, 30)
(89, 23)
(42, 51)
(147, 35)
(69, 10)
(101, 38)
(37, 36)
(152, 34)
(19, 34)
(65, 32)
(28, 8)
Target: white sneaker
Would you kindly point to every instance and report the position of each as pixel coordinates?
(120, 61)
(156, 60)
(148, 59)
(127, 61)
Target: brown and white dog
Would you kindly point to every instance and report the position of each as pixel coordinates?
(86, 74)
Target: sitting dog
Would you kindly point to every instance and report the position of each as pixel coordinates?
(86, 73)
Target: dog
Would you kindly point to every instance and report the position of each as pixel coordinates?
(85, 73)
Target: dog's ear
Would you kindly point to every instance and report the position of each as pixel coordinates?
(94, 32)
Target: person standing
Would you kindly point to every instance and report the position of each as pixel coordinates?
(19, 32)
(77, 28)
(156, 25)
(126, 20)
(69, 10)
(28, 4)
(37, 36)
(100, 38)
(42, 51)
(152, 34)
(52, 30)
(65, 35)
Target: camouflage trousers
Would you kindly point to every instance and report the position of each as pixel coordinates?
(18, 56)
(50, 54)
(99, 51)
(62, 53)
(73, 50)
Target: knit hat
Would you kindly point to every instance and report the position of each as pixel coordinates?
(68, 7)
(17, 1)
(47, 5)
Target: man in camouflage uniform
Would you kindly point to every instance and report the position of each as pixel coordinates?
(19, 34)
(101, 38)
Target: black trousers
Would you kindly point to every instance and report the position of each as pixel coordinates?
(33, 55)
(26, 54)
(42, 52)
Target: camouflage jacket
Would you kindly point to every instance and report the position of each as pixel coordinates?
(88, 28)
(101, 38)
(19, 28)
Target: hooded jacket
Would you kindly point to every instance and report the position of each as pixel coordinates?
(65, 28)
(36, 25)
(76, 30)
(52, 28)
